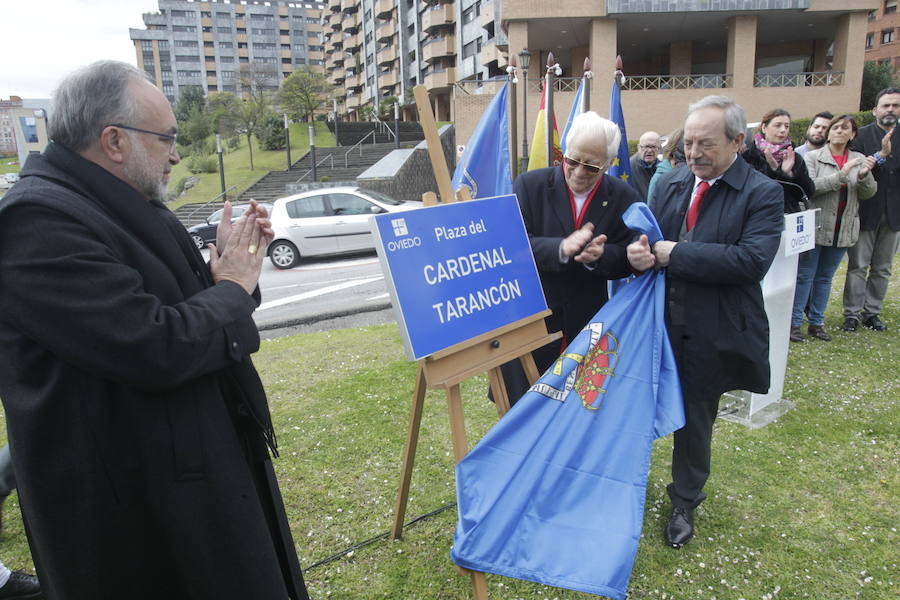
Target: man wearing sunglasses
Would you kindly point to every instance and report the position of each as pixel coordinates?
(721, 221)
(138, 427)
(573, 216)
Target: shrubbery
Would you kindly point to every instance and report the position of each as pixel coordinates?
(203, 164)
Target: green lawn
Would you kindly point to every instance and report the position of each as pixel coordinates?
(806, 507)
(5, 167)
(237, 165)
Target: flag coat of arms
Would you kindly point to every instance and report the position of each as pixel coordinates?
(554, 493)
(484, 165)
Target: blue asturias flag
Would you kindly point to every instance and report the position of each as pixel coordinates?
(577, 109)
(621, 165)
(484, 165)
(554, 493)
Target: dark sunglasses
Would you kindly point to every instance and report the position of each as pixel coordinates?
(592, 169)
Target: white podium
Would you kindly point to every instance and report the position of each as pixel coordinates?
(757, 410)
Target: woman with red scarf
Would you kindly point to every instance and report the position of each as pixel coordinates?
(842, 178)
(771, 152)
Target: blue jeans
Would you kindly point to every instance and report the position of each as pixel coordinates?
(814, 274)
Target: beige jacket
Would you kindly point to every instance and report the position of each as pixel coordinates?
(828, 180)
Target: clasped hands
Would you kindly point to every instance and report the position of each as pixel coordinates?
(583, 246)
(241, 246)
(642, 257)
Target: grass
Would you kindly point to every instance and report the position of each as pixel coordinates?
(803, 508)
(5, 167)
(237, 165)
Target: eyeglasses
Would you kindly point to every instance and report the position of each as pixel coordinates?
(166, 136)
(649, 147)
(592, 169)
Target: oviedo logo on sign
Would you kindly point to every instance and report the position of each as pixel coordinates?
(400, 230)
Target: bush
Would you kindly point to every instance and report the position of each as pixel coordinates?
(324, 179)
(799, 126)
(271, 135)
(183, 151)
(203, 164)
(233, 142)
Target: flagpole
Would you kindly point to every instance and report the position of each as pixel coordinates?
(548, 106)
(588, 75)
(513, 121)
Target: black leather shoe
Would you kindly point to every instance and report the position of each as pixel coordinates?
(680, 528)
(850, 324)
(818, 332)
(21, 586)
(797, 334)
(875, 323)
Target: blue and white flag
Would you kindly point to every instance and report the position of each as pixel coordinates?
(577, 109)
(554, 493)
(484, 166)
(621, 165)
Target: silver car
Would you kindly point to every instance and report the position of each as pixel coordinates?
(326, 221)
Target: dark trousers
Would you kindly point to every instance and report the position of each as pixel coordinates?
(691, 454)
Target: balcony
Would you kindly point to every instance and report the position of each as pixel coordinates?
(487, 15)
(439, 47)
(388, 79)
(442, 78)
(677, 82)
(441, 14)
(350, 5)
(804, 79)
(354, 100)
(383, 8)
(353, 81)
(334, 5)
(385, 31)
(491, 53)
(387, 55)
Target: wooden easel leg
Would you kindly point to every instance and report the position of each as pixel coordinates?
(457, 423)
(479, 585)
(498, 390)
(409, 453)
(531, 371)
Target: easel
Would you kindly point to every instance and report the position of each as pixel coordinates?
(449, 367)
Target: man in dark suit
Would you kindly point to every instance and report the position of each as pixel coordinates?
(573, 216)
(138, 426)
(722, 223)
(869, 260)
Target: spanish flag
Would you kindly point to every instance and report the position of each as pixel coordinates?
(537, 159)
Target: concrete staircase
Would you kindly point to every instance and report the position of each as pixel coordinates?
(350, 133)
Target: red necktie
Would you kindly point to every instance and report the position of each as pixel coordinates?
(694, 210)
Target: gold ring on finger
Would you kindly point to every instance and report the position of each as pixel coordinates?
(252, 248)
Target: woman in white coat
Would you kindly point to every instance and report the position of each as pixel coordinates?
(842, 178)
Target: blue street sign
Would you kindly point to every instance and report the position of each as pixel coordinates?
(456, 271)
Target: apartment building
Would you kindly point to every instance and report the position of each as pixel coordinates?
(801, 55)
(228, 45)
(7, 132)
(377, 49)
(883, 35)
(23, 126)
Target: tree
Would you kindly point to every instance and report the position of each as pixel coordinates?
(302, 93)
(196, 128)
(189, 98)
(251, 118)
(876, 77)
(222, 109)
(271, 134)
(386, 108)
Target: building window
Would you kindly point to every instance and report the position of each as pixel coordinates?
(184, 28)
(183, 13)
(147, 46)
(223, 29)
(223, 15)
(890, 6)
(163, 45)
(873, 14)
(468, 15)
(870, 39)
(242, 45)
(468, 50)
(312, 19)
(260, 31)
(226, 59)
(887, 36)
(185, 44)
(187, 59)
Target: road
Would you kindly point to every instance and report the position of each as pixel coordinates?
(321, 290)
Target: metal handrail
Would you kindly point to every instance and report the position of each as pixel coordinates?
(330, 158)
(383, 127)
(353, 147)
(188, 216)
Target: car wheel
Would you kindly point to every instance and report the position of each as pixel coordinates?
(284, 255)
(198, 241)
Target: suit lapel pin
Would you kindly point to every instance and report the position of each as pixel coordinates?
(605, 202)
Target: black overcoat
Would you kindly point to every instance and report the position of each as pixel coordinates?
(798, 188)
(136, 420)
(574, 293)
(885, 204)
(713, 293)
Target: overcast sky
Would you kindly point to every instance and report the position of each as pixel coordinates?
(43, 41)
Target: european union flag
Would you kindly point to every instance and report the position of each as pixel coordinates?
(621, 165)
(484, 165)
(554, 493)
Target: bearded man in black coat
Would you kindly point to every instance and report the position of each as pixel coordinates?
(138, 426)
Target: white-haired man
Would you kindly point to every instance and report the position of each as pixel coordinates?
(137, 423)
(573, 216)
(644, 162)
(721, 222)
